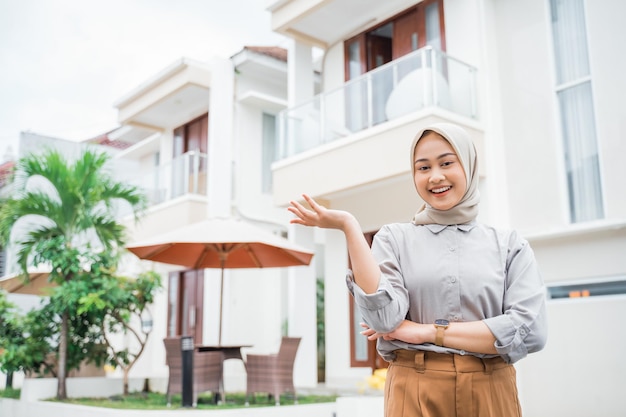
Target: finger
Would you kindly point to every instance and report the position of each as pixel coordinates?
(312, 203)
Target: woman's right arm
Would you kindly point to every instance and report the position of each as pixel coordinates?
(364, 267)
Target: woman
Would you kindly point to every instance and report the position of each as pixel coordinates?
(452, 302)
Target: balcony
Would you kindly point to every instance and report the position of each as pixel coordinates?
(425, 78)
(183, 175)
(355, 138)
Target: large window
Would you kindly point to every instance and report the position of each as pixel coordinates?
(574, 90)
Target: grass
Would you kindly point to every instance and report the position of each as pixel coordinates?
(158, 401)
(10, 393)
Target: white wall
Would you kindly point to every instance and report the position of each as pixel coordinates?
(580, 373)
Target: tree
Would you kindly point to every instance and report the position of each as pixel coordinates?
(57, 208)
(119, 305)
(25, 339)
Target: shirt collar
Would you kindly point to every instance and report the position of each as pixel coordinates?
(436, 228)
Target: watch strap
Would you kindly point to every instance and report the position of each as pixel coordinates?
(439, 336)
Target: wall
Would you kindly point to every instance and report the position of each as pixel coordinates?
(580, 372)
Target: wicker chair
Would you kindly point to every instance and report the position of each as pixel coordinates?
(273, 374)
(207, 371)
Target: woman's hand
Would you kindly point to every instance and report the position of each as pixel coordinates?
(318, 215)
(408, 331)
(364, 267)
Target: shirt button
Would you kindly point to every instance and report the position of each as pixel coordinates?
(453, 280)
(452, 249)
(455, 318)
(522, 332)
(462, 352)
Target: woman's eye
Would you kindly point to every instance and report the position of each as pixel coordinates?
(447, 163)
(422, 168)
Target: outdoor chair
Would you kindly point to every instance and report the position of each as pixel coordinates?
(273, 374)
(207, 371)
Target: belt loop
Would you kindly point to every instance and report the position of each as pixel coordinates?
(419, 362)
(488, 365)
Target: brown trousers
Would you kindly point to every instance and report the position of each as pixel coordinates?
(428, 384)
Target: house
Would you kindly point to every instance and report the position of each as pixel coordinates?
(202, 139)
(545, 115)
(539, 90)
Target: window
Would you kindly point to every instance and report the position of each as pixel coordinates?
(269, 151)
(414, 28)
(574, 90)
(417, 27)
(589, 289)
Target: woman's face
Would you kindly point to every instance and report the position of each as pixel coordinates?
(439, 176)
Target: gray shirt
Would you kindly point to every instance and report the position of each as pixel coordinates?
(460, 273)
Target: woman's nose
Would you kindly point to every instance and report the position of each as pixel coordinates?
(436, 177)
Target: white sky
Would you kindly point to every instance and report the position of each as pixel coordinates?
(63, 63)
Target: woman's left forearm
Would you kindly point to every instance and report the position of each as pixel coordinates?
(472, 336)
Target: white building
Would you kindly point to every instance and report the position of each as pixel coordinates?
(203, 139)
(535, 83)
(539, 87)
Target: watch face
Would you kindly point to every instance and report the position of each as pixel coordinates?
(442, 322)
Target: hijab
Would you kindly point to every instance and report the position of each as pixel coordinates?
(466, 209)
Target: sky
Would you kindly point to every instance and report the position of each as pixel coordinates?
(64, 63)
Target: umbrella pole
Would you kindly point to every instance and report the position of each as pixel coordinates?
(222, 261)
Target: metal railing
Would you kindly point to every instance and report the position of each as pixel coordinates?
(186, 174)
(424, 78)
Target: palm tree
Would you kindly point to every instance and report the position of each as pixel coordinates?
(58, 209)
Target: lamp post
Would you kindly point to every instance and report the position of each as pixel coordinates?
(146, 327)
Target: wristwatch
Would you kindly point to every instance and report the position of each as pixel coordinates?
(440, 325)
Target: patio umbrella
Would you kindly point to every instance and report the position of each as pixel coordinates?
(221, 243)
(35, 283)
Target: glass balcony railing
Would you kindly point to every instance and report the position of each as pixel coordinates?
(185, 174)
(424, 78)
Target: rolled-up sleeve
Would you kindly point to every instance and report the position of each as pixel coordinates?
(522, 329)
(385, 309)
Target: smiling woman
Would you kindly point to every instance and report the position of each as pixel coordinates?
(443, 293)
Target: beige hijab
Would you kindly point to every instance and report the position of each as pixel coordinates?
(467, 209)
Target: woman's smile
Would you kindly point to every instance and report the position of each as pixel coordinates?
(439, 175)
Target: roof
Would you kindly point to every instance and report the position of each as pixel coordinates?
(6, 170)
(104, 140)
(271, 51)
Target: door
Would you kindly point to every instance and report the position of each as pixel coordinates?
(363, 352)
(186, 304)
(189, 164)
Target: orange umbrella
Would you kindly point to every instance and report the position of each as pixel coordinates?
(222, 243)
(35, 283)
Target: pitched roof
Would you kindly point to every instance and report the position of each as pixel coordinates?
(6, 170)
(104, 140)
(272, 51)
